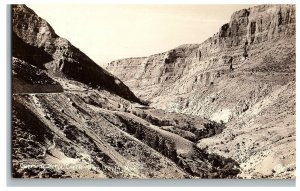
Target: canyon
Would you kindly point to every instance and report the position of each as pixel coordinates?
(224, 108)
(73, 119)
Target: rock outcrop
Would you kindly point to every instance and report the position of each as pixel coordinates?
(27, 78)
(238, 76)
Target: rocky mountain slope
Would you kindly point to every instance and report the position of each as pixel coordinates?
(244, 76)
(35, 41)
(73, 119)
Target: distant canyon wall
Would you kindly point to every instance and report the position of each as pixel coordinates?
(242, 45)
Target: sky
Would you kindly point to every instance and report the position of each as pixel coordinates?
(106, 32)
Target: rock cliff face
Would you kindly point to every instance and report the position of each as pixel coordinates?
(241, 76)
(240, 39)
(45, 49)
(252, 26)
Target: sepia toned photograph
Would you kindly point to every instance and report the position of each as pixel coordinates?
(153, 91)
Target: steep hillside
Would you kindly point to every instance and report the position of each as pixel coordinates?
(244, 75)
(72, 119)
(94, 134)
(35, 41)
